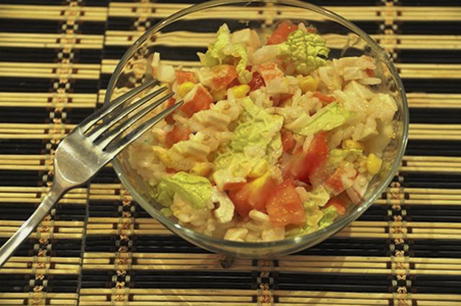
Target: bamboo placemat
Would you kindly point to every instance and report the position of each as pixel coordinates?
(98, 247)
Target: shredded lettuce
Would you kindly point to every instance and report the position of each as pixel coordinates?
(329, 215)
(337, 156)
(197, 190)
(318, 197)
(223, 51)
(255, 145)
(326, 119)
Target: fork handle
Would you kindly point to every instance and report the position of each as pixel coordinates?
(27, 227)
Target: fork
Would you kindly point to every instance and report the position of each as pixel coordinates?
(89, 147)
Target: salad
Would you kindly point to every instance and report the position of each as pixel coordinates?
(274, 139)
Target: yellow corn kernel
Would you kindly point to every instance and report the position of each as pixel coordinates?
(240, 91)
(374, 163)
(202, 169)
(352, 144)
(259, 169)
(184, 88)
(308, 83)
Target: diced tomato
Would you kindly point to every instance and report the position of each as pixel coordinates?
(235, 82)
(339, 204)
(269, 71)
(185, 76)
(281, 33)
(252, 195)
(200, 100)
(257, 81)
(233, 186)
(169, 119)
(288, 141)
(325, 99)
(285, 206)
(223, 75)
(370, 72)
(177, 134)
(303, 165)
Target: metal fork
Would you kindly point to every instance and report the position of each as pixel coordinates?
(90, 146)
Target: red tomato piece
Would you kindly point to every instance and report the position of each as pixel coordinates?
(285, 206)
(256, 82)
(303, 165)
(185, 76)
(223, 76)
(325, 99)
(288, 141)
(235, 82)
(281, 33)
(339, 204)
(200, 99)
(233, 186)
(252, 195)
(177, 134)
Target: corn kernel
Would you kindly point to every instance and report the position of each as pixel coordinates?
(240, 91)
(202, 169)
(259, 169)
(308, 83)
(352, 144)
(373, 163)
(184, 88)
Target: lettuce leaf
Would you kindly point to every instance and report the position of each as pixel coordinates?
(326, 119)
(223, 51)
(329, 215)
(197, 190)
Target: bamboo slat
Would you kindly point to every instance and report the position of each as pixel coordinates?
(53, 12)
(49, 70)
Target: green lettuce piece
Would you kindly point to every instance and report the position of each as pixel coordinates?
(337, 156)
(163, 194)
(239, 51)
(299, 231)
(306, 50)
(326, 119)
(329, 215)
(194, 189)
(256, 130)
(223, 51)
(318, 197)
(255, 145)
(275, 149)
(233, 167)
(166, 212)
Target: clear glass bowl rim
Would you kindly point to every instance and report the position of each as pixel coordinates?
(319, 235)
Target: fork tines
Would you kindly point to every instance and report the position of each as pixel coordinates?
(111, 121)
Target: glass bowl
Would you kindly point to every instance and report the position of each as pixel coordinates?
(178, 38)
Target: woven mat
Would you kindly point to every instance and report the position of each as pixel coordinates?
(97, 247)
